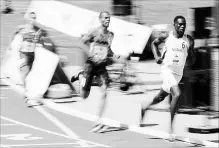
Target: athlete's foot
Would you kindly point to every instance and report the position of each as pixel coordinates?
(32, 102)
(103, 129)
(171, 137)
(96, 128)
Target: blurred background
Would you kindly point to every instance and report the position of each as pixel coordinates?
(200, 82)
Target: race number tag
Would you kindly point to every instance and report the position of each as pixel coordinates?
(27, 47)
(100, 52)
(178, 59)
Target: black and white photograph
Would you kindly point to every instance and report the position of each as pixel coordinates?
(109, 74)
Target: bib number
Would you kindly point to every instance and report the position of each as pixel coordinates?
(28, 47)
(100, 52)
(178, 59)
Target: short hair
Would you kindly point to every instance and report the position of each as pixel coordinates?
(178, 17)
(100, 15)
(32, 13)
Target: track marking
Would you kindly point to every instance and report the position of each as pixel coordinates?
(79, 141)
(110, 122)
(59, 124)
(20, 137)
(48, 144)
(9, 124)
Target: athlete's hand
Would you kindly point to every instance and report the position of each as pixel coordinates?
(159, 60)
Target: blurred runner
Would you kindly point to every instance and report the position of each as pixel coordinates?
(30, 36)
(97, 44)
(177, 49)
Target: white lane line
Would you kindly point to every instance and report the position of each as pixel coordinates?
(36, 128)
(46, 144)
(9, 124)
(54, 120)
(21, 90)
(81, 141)
(3, 146)
(59, 124)
(133, 128)
(79, 114)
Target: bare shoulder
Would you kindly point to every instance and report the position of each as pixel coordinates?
(111, 33)
(20, 27)
(190, 38)
(163, 36)
(93, 30)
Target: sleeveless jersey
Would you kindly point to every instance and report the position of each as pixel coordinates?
(175, 52)
(99, 48)
(29, 38)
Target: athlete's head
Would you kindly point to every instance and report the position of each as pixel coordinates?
(104, 18)
(180, 25)
(32, 17)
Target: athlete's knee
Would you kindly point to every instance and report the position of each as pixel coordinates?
(175, 92)
(160, 96)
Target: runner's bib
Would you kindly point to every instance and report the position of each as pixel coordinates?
(99, 52)
(178, 59)
(27, 46)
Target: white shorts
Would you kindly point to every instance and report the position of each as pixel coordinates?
(169, 79)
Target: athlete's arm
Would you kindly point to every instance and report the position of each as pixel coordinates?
(110, 53)
(191, 52)
(86, 39)
(154, 45)
(16, 31)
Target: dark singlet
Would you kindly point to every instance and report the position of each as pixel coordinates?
(100, 46)
(28, 44)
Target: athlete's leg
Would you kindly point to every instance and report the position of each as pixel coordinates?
(86, 80)
(103, 81)
(157, 99)
(175, 93)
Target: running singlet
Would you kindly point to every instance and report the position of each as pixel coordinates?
(99, 48)
(175, 52)
(28, 44)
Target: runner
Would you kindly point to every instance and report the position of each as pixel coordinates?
(30, 35)
(177, 49)
(97, 44)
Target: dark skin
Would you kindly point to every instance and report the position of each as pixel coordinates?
(178, 32)
(90, 37)
(102, 29)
